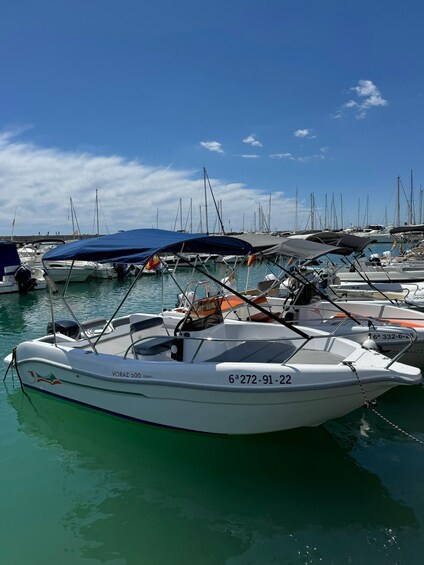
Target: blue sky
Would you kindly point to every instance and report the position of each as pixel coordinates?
(274, 98)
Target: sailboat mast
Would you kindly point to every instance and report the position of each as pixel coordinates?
(326, 212)
(398, 203)
(412, 213)
(296, 218)
(72, 216)
(269, 214)
(367, 211)
(359, 213)
(97, 212)
(206, 200)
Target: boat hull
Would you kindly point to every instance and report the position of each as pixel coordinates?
(380, 275)
(212, 398)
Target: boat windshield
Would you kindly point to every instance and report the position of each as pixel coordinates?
(203, 314)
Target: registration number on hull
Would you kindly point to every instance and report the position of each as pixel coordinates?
(406, 336)
(245, 379)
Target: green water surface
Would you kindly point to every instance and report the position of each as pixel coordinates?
(83, 487)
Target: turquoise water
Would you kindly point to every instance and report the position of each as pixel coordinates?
(82, 487)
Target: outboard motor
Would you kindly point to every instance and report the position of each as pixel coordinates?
(25, 280)
(66, 327)
(121, 270)
(375, 260)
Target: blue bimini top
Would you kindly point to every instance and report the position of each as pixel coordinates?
(137, 246)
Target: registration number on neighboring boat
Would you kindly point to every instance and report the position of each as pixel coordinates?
(406, 336)
(259, 379)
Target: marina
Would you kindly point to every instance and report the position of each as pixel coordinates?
(211, 283)
(334, 493)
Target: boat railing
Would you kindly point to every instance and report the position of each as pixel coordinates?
(255, 350)
(238, 349)
(409, 333)
(412, 339)
(151, 345)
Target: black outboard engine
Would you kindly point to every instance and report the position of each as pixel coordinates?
(121, 270)
(66, 327)
(25, 280)
(375, 260)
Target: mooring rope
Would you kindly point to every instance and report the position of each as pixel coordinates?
(13, 363)
(371, 404)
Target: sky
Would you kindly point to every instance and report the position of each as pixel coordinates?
(303, 113)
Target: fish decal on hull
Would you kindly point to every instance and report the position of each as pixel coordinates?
(51, 379)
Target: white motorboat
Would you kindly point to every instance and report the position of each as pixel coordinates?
(201, 372)
(377, 272)
(379, 233)
(15, 277)
(68, 271)
(104, 271)
(32, 256)
(306, 298)
(405, 267)
(392, 329)
(401, 294)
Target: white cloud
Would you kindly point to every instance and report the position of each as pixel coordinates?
(213, 146)
(368, 95)
(321, 155)
(38, 182)
(304, 133)
(249, 156)
(282, 156)
(251, 140)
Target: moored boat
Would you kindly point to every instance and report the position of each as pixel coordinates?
(14, 276)
(201, 372)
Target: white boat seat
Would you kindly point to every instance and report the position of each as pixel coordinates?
(153, 345)
(146, 324)
(260, 352)
(150, 341)
(94, 323)
(121, 322)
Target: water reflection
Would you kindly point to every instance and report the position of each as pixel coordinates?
(160, 496)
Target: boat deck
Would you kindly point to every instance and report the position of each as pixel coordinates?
(158, 349)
